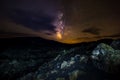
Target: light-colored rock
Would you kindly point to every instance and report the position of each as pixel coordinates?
(106, 58)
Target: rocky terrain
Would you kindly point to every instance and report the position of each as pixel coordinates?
(38, 59)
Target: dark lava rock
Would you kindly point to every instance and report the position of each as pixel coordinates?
(106, 58)
(70, 66)
(82, 61)
(116, 44)
(17, 62)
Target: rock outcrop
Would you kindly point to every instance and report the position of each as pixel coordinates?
(88, 61)
(106, 58)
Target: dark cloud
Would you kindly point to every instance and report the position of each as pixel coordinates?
(98, 37)
(32, 20)
(37, 15)
(12, 33)
(92, 30)
(48, 33)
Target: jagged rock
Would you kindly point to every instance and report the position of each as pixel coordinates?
(116, 44)
(62, 69)
(76, 62)
(60, 79)
(106, 58)
(18, 62)
(29, 76)
(14, 68)
(74, 75)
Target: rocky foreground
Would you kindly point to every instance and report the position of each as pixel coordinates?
(87, 61)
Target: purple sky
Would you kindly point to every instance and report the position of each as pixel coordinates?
(83, 20)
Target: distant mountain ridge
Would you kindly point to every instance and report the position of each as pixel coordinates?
(25, 41)
(40, 42)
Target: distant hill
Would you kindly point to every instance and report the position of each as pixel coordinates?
(40, 42)
(26, 41)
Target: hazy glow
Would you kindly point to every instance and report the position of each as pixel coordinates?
(59, 35)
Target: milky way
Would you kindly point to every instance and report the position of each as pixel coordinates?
(59, 23)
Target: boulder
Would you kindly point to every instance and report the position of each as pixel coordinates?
(106, 58)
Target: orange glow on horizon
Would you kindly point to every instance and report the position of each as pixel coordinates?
(59, 36)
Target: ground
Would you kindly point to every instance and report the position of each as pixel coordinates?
(98, 60)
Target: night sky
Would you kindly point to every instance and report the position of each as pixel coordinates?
(68, 21)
